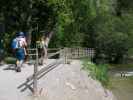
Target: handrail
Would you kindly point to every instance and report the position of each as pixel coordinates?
(42, 70)
(53, 54)
(39, 74)
(64, 53)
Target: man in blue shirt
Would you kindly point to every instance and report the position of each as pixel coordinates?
(18, 45)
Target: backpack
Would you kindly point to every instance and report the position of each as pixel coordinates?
(16, 44)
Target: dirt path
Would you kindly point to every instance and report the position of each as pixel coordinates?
(66, 82)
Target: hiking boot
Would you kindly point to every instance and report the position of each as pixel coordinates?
(18, 69)
(40, 63)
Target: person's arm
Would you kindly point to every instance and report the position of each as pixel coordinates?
(25, 46)
(48, 37)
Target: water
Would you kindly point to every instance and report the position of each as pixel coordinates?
(122, 87)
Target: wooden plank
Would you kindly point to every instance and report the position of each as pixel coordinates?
(30, 88)
(54, 48)
(53, 54)
(35, 89)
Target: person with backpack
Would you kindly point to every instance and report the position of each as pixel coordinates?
(19, 48)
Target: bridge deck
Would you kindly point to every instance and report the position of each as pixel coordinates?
(66, 82)
(10, 80)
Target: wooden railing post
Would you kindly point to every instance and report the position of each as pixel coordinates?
(35, 88)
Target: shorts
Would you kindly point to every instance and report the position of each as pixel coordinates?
(20, 54)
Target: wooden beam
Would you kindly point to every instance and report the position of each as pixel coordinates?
(40, 76)
(35, 88)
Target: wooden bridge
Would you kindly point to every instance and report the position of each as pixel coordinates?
(65, 55)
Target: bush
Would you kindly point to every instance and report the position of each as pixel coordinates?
(10, 60)
(98, 72)
(112, 39)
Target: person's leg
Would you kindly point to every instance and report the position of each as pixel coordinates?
(1, 56)
(45, 55)
(18, 65)
(26, 55)
(40, 56)
(20, 58)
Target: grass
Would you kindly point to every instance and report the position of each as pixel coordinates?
(97, 72)
(130, 52)
(10, 60)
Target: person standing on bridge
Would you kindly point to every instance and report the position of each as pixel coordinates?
(42, 50)
(46, 40)
(42, 45)
(19, 47)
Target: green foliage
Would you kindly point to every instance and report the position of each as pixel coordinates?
(27, 15)
(112, 38)
(30, 16)
(73, 20)
(130, 52)
(98, 72)
(125, 6)
(89, 23)
(10, 60)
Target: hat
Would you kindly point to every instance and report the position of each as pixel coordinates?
(20, 34)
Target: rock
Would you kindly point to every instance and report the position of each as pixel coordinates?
(71, 85)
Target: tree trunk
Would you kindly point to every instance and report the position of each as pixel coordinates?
(29, 24)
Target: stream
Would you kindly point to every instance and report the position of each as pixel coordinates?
(121, 83)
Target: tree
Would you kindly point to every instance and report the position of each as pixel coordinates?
(112, 39)
(30, 16)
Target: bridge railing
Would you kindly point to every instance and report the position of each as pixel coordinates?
(77, 53)
(65, 55)
(32, 80)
